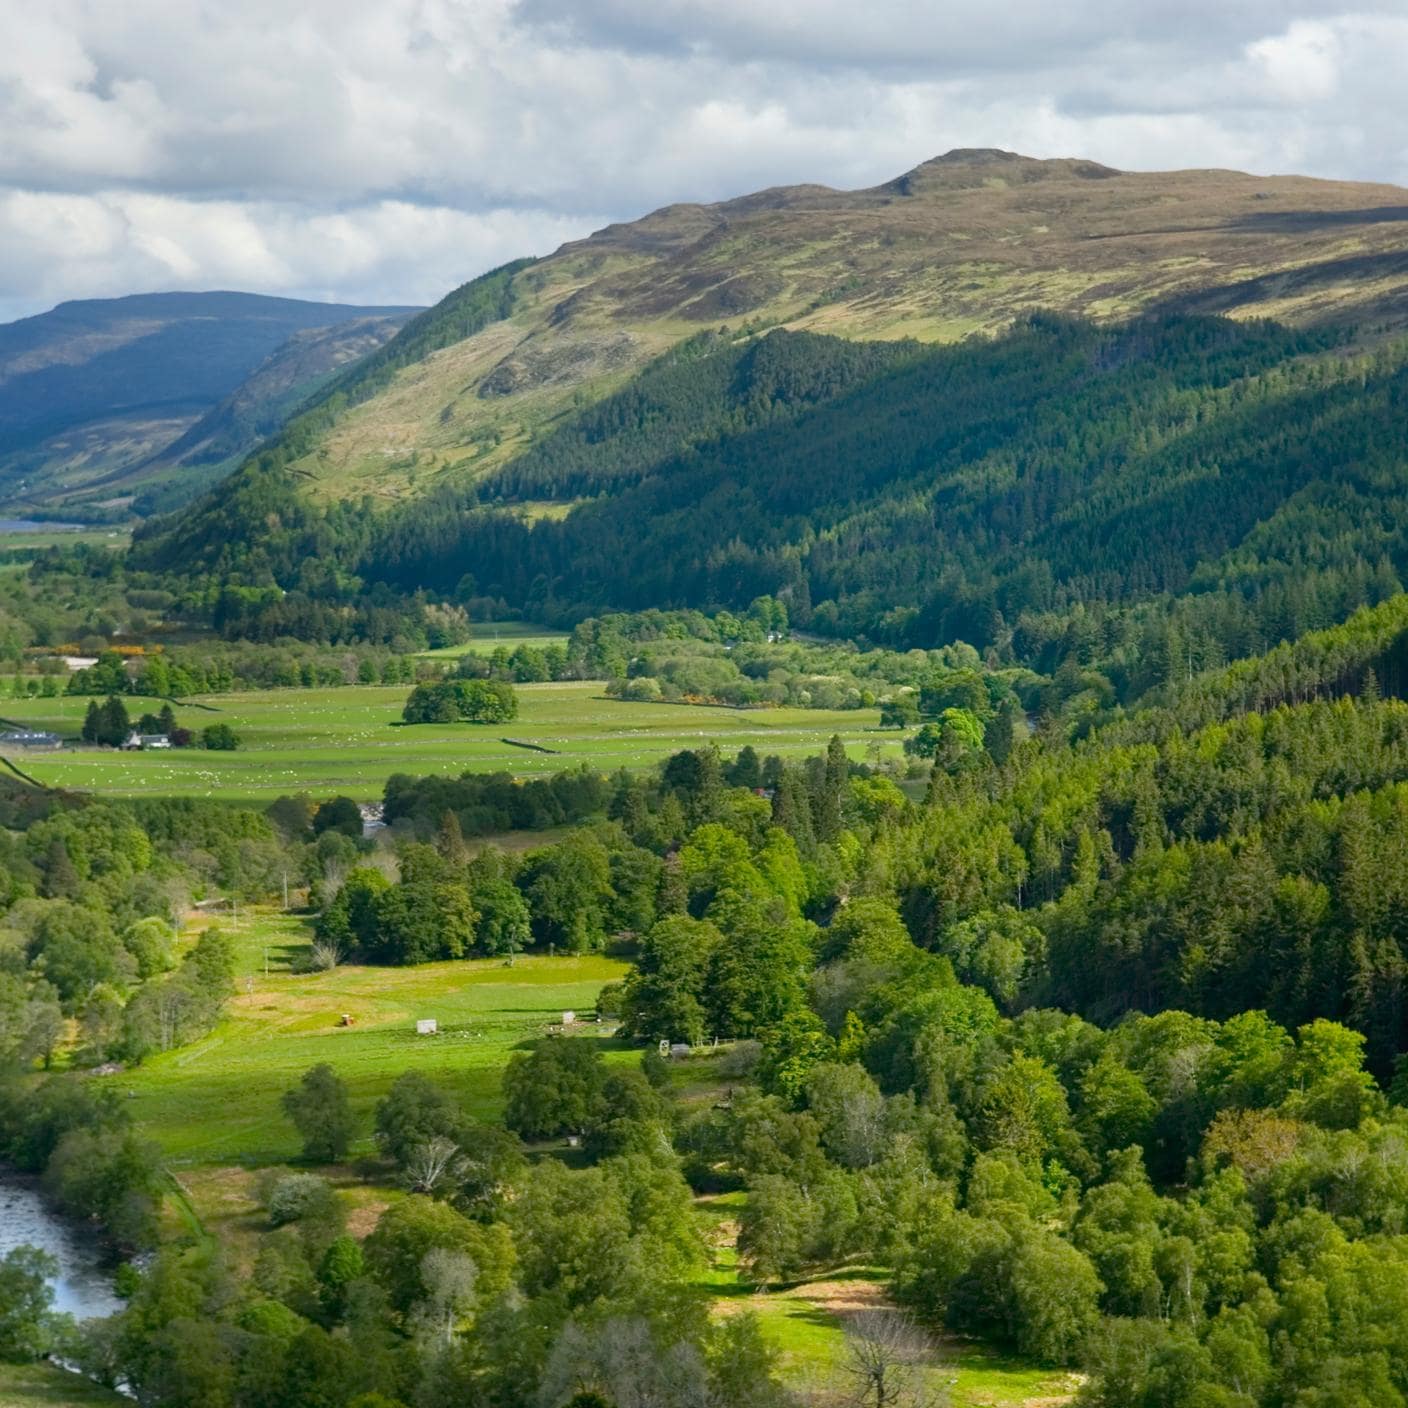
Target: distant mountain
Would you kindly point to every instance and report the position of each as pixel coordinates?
(92, 390)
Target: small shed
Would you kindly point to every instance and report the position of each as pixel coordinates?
(568, 1017)
(427, 1026)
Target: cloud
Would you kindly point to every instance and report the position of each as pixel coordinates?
(389, 149)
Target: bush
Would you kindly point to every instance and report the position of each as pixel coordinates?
(298, 1196)
(220, 737)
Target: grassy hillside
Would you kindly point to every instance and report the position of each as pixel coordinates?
(766, 397)
(962, 244)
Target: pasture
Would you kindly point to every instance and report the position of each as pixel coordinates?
(488, 636)
(349, 740)
(217, 1100)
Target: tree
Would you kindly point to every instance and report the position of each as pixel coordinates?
(111, 725)
(413, 1113)
(152, 943)
(664, 997)
(320, 1110)
(901, 711)
(422, 919)
(1024, 1109)
(555, 1089)
(61, 880)
(396, 1250)
(449, 840)
(449, 1278)
(1054, 1298)
(473, 701)
(339, 814)
(220, 738)
(29, 1329)
(433, 1166)
(568, 887)
(889, 1361)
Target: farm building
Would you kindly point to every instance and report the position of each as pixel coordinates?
(142, 742)
(30, 738)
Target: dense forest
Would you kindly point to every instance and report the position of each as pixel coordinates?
(1149, 499)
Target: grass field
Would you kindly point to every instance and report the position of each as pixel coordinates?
(806, 1322)
(44, 1386)
(349, 740)
(217, 1101)
(48, 537)
(488, 636)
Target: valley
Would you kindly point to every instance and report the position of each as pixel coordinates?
(802, 801)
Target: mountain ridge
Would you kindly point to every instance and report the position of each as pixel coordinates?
(965, 243)
(94, 389)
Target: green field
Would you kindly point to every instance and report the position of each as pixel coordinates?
(217, 1101)
(37, 538)
(488, 636)
(350, 740)
(45, 1386)
(806, 1322)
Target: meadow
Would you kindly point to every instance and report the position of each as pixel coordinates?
(488, 636)
(349, 740)
(217, 1100)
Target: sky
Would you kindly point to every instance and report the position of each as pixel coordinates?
(384, 151)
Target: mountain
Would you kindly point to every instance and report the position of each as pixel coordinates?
(1064, 413)
(961, 245)
(92, 391)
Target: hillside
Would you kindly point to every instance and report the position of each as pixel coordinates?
(92, 392)
(255, 409)
(1149, 476)
(960, 245)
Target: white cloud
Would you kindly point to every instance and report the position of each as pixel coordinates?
(1301, 65)
(389, 149)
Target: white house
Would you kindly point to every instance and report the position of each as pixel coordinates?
(143, 741)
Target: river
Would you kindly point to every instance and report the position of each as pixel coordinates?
(82, 1288)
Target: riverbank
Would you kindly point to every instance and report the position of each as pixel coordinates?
(48, 1386)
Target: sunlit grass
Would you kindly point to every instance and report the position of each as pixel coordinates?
(350, 740)
(217, 1101)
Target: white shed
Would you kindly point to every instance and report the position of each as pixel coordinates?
(568, 1018)
(426, 1026)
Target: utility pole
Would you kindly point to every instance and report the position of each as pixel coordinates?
(285, 890)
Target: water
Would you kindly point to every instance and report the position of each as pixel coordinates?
(81, 1289)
